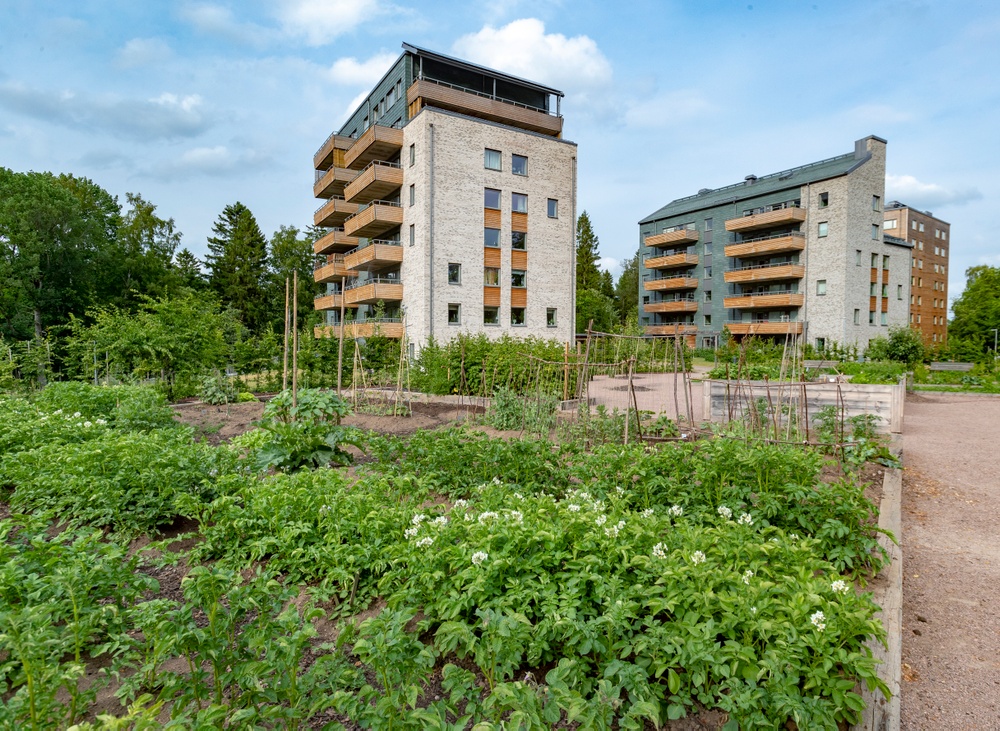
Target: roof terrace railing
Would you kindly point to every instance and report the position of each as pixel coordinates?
(493, 97)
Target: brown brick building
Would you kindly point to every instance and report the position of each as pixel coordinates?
(931, 240)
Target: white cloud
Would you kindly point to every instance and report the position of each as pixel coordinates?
(321, 21)
(610, 264)
(353, 104)
(219, 21)
(523, 48)
(142, 52)
(364, 73)
(912, 192)
(215, 161)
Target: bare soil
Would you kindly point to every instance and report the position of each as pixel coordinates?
(951, 562)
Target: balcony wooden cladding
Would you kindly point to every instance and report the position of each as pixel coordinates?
(332, 271)
(377, 143)
(375, 182)
(328, 302)
(426, 93)
(767, 220)
(353, 330)
(335, 241)
(676, 306)
(374, 257)
(334, 212)
(659, 285)
(333, 182)
(752, 301)
(491, 296)
(777, 245)
(369, 294)
(766, 274)
(332, 152)
(491, 218)
(671, 262)
(671, 329)
(672, 237)
(518, 259)
(374, 220)
(518, 297)
(765, 328)
(491, 256)
(519, 222)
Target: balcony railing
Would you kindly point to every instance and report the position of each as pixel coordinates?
(772, 244)
(492, 97)
(377, 180)
(778, 215)
(373, 219)
(765, 327)
(333, 240)
(378, 254)
(765, 272)
(786, 298)
(672, 236)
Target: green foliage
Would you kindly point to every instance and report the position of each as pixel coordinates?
(245, 397)
(306, 435)
(508, 410)
(216, 389)
(904, 345)
(627, 291)
(588, 276)
(238, 265)
(977, 309)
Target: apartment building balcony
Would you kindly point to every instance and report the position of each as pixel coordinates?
(371, 291)
(332, 270)
(765, 272)
(684, 329)
(788, 214)
(670, 262)
(334, 212)
(377, 143)
(782, 243)
(388, 327)
(429, 92)
(769, 299)
(331, 301)
(333, 241)
(661, 284)
(769, 327)
(331, 152)
(378, 180)
(374, 219)
(332, 182)
(679, 236)
(681, 304)
(376, 256)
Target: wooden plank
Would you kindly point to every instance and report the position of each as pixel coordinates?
(518, 297)
(518, 259)
(491, 218)
(519, 222)
(491, 256)
(491, 296)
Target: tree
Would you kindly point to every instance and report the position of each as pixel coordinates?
(588, 276)
(292, 253)
(627, 291)
(591, 305)
(188, 270)
(977, 310)
(904, 345)
(144, 258)
(237, 263)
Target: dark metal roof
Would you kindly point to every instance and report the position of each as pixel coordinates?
(417, 51)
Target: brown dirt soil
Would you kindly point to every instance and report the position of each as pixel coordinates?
(951, 562)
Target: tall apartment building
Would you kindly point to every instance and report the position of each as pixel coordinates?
(930, 239)
(797, 252)
(450, 205)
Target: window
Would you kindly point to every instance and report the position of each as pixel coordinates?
(944, 235)
(491, 315)
(454, 313)
(517, 316)
(518, 203)
(913, 300)
(708, 224)
(920, 227)
(857, 257)
(913, 225)
(920, 263)
(920, 281)
(857, 317)
(518, 240)
(822, 229)
(820, 287)
(492, 160)
(874, 261)
(871, 317)
(454, 273)
(899, 291)
(885, 290)
(920, 245)
(491, 276)
(550, 317)
(821, 344)
(889, 224)
(873, 289)
(918, 319)
(413, 194)
(518, 278)
(413, 234)
(885, 318)
(519, 164)
(491, 199)
(876, 203)
(413, 154)
(708, 272)
(920, 300)
(875, 232)
(708, 295)
(824, 200)
(885, 261)
(913, 281)
(491, 237)
(937, 233)
(708, 319)
(708, 248)
(553, 208)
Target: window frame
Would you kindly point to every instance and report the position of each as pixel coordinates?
(523, 245)
(495, 311)
(523, 277)
(487, 277)
(486, 197)
(513, 164)
(515, 198)
(551, 317)
(486, 159)
(413, 154)
(822, 229)
(458, 314)
(524, 316)
(552, 207)
(487, 237)
(821, 288)
(458, 272)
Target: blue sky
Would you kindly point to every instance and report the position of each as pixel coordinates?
(197, 104)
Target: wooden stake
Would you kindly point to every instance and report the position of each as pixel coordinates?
(566, 373)
(295, 338)
(340, 346)
(284, 369)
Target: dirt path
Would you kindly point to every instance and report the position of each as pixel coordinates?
(951, 563)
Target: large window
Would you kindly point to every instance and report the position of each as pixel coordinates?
(492, 159)
(491, 199)
(491, 237)
(518, 240)
(518, 278)
(517, 316)
(519, 164)
(518, 203)
(553, 208)
(491, 276)
(491, 315)
(454, 273)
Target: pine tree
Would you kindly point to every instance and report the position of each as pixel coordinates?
(588, 276)
(627, 291)
(188, 269)
(238, 266)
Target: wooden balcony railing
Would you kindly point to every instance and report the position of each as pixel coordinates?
(752, 301)
(775, 244)
(776, 217)
(765, 273)
(377, 181)
(672, 237)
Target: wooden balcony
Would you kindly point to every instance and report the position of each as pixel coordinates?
(754, 301)
(369, 293)
(424, 92)
(765, 328)
(335, 241)
(332, 182)
(768, 219)
(670, 283)
(674, 306)
(672, 237)
(671, 329)
(376, 219)
(377, 143)
(374, 257)
(386, 328)
(334, 212)
(332, 271)
(766, 273)
(785, 243)
(328, 301)
(671, 262)
(328, 153)
(377, 181)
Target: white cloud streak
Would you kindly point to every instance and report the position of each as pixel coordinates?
(350, 71)
(142, 52)
(320, 22)
(913, 192)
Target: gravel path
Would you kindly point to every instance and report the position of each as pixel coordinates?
(951, 563)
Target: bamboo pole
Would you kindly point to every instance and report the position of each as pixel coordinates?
(295, 338)
(340, 345)
(566, 373)
(284, 367)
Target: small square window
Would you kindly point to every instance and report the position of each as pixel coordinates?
(491, 315)
(518, 278)
(857, 317)
(550, 317)
(875, 231)
(491, 237)
(454, 273)
(890, 223)
(553, 208)
(820, 287)
(492, 159)
(454, 313)
(517, 316)
(876, 203)
(518, 240)
(708, 319)
(820, 344)
(413, 154)
(518, 203)
(413, 194)
(824, 200)
(823, 229)
(519, 164)
(491, 277)
(491, 199)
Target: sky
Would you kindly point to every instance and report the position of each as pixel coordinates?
(199, 104)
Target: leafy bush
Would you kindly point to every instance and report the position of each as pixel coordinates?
(216, 389)
(307, 434)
